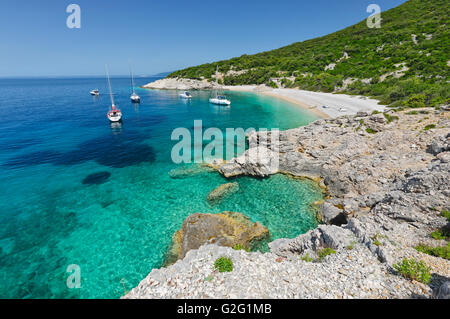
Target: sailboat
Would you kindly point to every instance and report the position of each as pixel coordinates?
(134, 97)
(219, 99)
(114, 114)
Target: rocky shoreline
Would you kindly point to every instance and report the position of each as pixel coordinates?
(388, 180)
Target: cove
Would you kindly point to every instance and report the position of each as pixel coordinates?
(118, 225)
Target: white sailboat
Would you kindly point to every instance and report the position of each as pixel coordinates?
(134, 97)
(114, 114)
(219, 99)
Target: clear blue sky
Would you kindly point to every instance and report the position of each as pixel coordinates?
(159, 36)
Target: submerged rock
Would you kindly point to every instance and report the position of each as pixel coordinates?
(96, 178)
(224, 229)
(189, 171)
(221, 191)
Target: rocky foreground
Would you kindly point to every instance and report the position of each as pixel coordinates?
(388, 180)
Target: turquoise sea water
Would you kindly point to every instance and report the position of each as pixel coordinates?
(76, 190)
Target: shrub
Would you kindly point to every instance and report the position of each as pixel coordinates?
(376, 242)
(223, 264)
(414, 270)
(442, 252)
(439, 234)
(240, 247)
(446, 214)
(417, 100)
(370, 131)
(306, 258)
(429, 127)
(390, 118)
(322, 253)
(272, 84)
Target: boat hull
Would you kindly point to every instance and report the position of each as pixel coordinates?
(219, 101)
(116, 118)
(135, 99)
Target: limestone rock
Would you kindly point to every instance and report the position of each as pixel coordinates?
(330, 214)
(179, 84)
(183, 172)
(221, 191)
(224, 229)
(444, 291)
(258, 161)
(323, 236)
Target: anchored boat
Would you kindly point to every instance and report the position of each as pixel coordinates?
(186, 95)
(134, 97)
(219, 99)
(114, 114)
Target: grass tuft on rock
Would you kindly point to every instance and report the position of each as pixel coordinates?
(306, 258)
(442, 252)
(241, 247)
(414, 270)
(446, 214)
(223, 264)
(322, 253)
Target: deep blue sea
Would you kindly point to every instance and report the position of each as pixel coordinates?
(75, 189)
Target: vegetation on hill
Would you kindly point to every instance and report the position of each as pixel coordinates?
(403, 63)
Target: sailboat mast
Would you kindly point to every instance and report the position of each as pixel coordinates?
(217, 78)
(132, 79)
(109, 85)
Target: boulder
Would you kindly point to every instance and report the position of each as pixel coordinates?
(439, 144)
(224, 229)
(330, 214)
(331, 236)
(443, 291)
(221, 191)
(257, 161)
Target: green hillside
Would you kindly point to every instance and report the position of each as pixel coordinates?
(421, 61)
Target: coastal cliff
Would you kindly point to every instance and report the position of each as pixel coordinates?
(388, 181)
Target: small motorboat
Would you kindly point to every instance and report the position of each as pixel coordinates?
(186, 95)
(95, 92)
(114, 114)
(220, 100)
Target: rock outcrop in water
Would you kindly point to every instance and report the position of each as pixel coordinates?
(188, 171)
(224, 229)
(180, 84)
(221, 191)
(388, 180)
